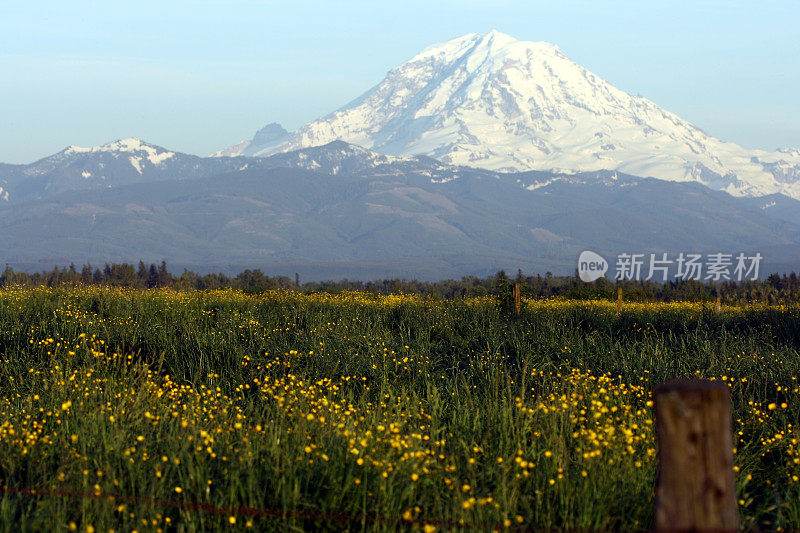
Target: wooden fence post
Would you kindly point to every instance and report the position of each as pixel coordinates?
(619, 301)
(696, 489)
(517, 298)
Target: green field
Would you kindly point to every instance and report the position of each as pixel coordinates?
(182, 411)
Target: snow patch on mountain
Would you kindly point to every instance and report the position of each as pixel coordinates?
(540, 184)
(137, 163)
(494, 102)
(335, 157)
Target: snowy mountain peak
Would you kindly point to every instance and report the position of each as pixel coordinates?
(154, 154)
(131, 144)
(495, 102)
(476, 44)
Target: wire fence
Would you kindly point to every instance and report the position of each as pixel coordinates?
(246, 511)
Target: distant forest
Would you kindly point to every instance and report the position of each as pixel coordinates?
(775, 289)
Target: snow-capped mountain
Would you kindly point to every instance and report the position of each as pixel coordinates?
(113, 164)
(139, 154)
(491, 101)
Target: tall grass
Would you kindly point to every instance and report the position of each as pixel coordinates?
(125, 409)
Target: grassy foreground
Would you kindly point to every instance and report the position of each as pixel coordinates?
(182, 411)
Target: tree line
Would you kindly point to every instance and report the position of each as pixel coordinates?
(775, 289)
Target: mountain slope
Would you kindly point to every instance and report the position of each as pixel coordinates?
(267, 138)
(339, 210)
(494, 102)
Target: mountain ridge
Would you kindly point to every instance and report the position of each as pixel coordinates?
(340, 210)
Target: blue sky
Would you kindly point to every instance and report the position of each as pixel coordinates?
(198, 76)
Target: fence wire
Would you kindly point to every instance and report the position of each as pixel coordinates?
(246, 511)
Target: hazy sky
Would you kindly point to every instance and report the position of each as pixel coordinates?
(198, 76)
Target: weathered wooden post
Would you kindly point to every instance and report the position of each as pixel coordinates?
(695, 490)
(517, 297)
(619, 301)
